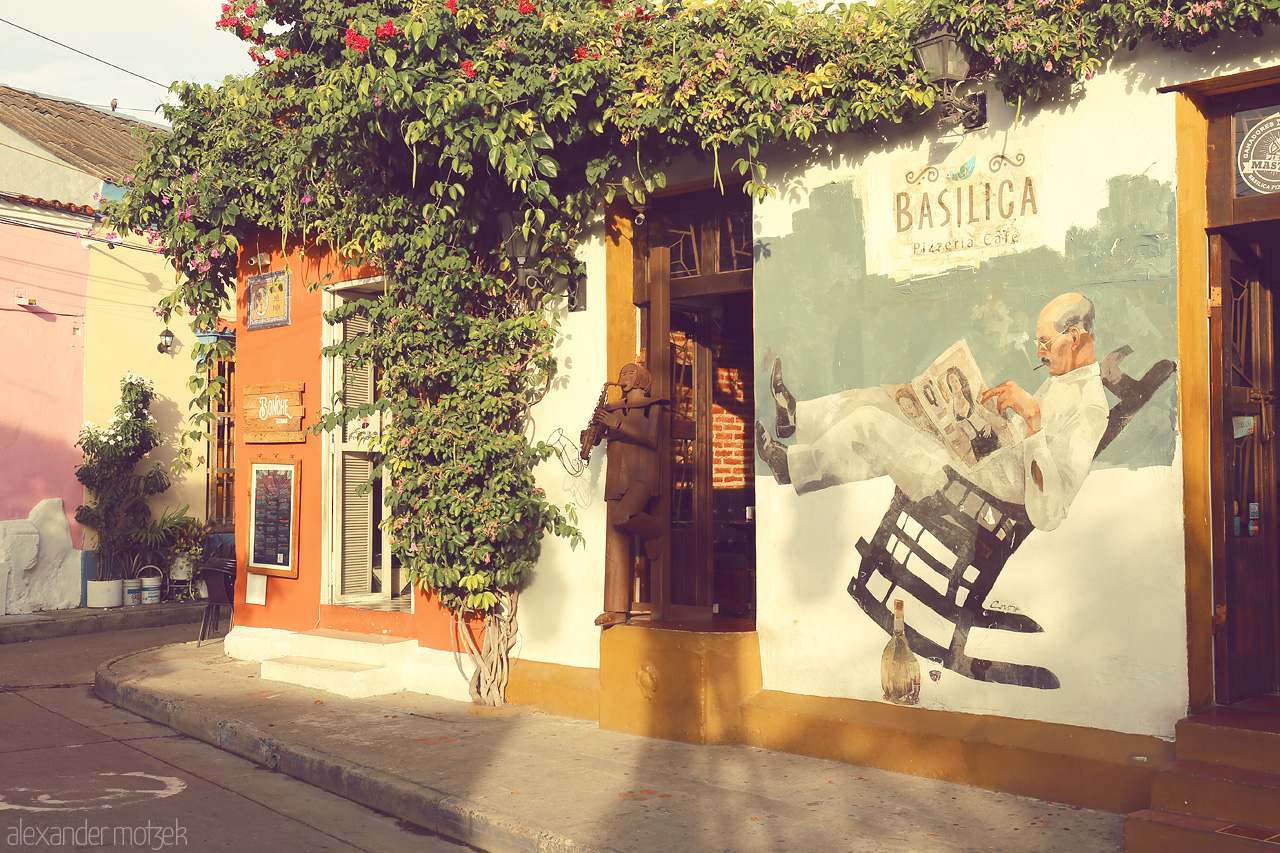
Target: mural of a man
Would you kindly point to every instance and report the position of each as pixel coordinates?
(860, 434)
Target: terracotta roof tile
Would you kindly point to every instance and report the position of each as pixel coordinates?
(82, 209)
(98, 142)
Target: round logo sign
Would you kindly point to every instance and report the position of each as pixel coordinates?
(1258, 161)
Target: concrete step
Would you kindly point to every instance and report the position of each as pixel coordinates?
(1212, 790)
(373, 649)
(354, 680)
(1232, 736)
(1159, 831)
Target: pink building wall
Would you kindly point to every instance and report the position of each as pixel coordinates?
(42, 359)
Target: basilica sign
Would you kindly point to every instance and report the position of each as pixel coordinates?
(972, 206)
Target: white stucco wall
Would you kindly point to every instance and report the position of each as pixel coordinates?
(1108, 586)
(28, 169)
(39, 567)
(565, 593)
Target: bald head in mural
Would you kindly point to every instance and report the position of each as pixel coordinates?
(860, 434)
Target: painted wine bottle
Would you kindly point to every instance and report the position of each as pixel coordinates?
(899, 669)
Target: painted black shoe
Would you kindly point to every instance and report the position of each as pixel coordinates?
(774, 454)
(784, 401)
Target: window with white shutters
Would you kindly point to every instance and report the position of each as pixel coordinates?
(361, 569)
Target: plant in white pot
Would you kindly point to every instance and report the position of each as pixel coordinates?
(117, 510)
(187, 549)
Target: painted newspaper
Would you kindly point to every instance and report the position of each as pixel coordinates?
(945, 402)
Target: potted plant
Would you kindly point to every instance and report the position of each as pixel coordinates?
(186, 548)
(117, 509)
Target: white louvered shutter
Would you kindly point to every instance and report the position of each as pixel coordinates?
(356, 531)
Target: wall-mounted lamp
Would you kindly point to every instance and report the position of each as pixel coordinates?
(166, 342)
(939, 53)
(524, 252)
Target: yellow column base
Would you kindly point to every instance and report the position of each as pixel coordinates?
(677, 685)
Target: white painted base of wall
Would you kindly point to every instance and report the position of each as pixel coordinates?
(435, 672)
(354, 665)
(39, 568)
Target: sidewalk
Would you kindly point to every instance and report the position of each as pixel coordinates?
(18, 628)
(536, 782)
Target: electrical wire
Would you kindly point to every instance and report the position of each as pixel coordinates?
(53, 104)
(42, 312)
(118, 244)
(82, 53)
(47, 160)
(12, 121)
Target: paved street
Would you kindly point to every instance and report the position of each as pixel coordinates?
(77, 773)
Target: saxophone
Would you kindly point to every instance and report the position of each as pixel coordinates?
(591, 436)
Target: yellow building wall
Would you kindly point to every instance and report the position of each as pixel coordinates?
(121, 334)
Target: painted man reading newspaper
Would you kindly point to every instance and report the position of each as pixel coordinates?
(860, 434)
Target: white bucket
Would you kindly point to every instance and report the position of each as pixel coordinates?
(104, 593)
(133, 591)
(151, 584)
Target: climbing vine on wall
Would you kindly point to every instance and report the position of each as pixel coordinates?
(393, 131)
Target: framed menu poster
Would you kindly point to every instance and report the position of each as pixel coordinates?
(273, 517)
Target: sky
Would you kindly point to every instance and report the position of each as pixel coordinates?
(165, 40)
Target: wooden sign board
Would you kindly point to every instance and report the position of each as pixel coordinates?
(273, 413)
(273, 517)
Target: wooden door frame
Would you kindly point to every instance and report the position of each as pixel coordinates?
(1205, 204)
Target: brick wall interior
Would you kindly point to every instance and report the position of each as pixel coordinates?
(732, 414)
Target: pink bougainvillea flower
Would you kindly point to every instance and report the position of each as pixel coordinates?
(468, 69)
(355, 41)
(306, 199)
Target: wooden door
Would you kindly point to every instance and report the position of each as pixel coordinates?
(698, 250)
(1243, 404)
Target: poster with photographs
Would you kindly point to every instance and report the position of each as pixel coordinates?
(273, 517)
(268, 300)
(946, 401)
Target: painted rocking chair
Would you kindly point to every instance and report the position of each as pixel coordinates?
(970, 537)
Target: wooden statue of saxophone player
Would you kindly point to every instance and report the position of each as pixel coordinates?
(631, 481)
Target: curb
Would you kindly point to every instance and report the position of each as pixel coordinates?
(442, 813)
(72, 623)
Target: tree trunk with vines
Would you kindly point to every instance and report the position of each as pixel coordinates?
(491, 658)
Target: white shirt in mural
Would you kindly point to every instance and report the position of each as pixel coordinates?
(859, 434)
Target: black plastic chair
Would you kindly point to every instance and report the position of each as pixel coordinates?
(219, 576)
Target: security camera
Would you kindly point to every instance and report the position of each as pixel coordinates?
(639, 218)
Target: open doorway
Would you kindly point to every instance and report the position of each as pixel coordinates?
(1244, 270)
(694, 286)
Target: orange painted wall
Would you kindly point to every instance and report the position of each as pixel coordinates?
(291, 354)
